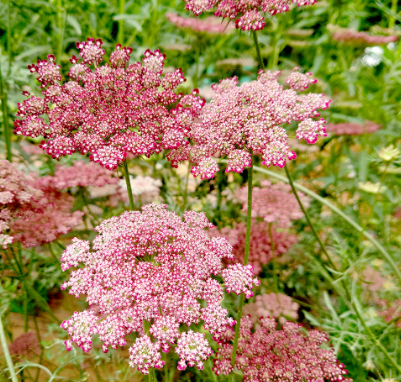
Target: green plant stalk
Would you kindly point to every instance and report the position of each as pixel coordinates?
(61, 15)
(246, 258)
(294, 190)
(120, 34)
(151, 375)
(337, 211)
(256, 42)
(129, 189)
(4, 109)
(40, 344)
(7, 353)
(273, 259)
(9, 35)
(391, 21)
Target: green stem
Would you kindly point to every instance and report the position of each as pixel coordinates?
(391, 21)
(128, 182)
(7, 353)
(121, 10)
(4, 109)
(337, 211)
(61, 15)
(9, 35)
(40, 344)
(273, 259)
(376, 341)
(255, 40)
(294, 190)
(246, 258)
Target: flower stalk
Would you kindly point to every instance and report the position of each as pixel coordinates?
(4, 109)
(7, 353)
(128, 182)
(246, 259)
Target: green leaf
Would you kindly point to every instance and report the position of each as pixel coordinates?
(36, 51)
(75, 24)
(311, 318)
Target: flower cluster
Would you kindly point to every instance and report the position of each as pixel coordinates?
(32, 210)
(354, 38)
(275, 305)
(392, 311)
(268, 354)
(273, 203)
(111, 110)
(260, 251)
(243, 119)
(211, 25)
(152, 267)
(248, 14)
(82, 174)
(25, 345)
(353, 128)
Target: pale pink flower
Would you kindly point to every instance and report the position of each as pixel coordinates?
(275, 305)
(152, 266)
(250, 117)
(109, 111)
(260, 251)
(268, 354)
(352, 37)
(273, 203)
(211, 25)
(353, 128)
(248, 14)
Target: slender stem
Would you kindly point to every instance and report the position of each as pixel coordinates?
(128, 182)
(61, 15)
(391, 20)
(4, 109)
(337, 211)
(186, 186)
(40, 344)
(273, 259)
(7, 353)
(53, 254)
(376, 341)
(294, 190)
(255, 40)
(121, 10)
(246, 258)
(9, 35)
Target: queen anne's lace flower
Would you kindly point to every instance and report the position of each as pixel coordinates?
(268, 354)
(260, 251)
(246, 118)
(353, 128)
(211, 25)
(273, 202)
(152, 267)
(32, 210)
(110, 110)
(247, 13)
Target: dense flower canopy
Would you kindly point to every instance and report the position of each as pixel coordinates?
(110, 110)
(248, 14)
(32, 210)
(248, 118)
(268, 354)
(152, 267)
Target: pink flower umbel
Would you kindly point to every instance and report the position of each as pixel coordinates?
(353, 128)
(82, 174)
(248, 118)
(32, 210)
(355, 38)
(273, 203)
(260, 251)
(111, 110)
(290, 354)
(210, 25)
(248, 14)
(152, 268)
